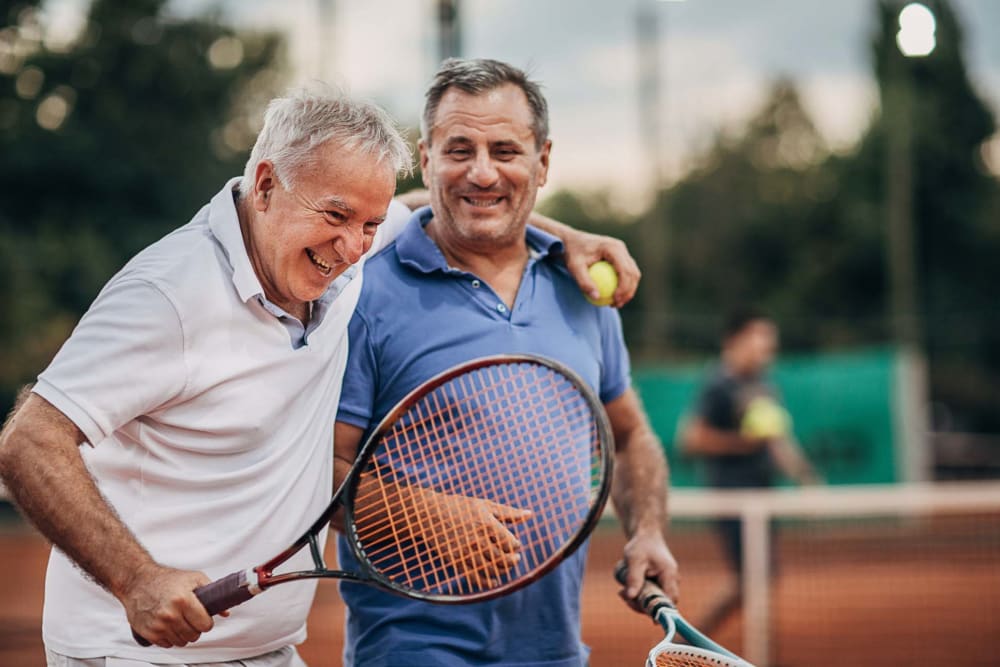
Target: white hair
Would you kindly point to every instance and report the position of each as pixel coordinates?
(306, 118)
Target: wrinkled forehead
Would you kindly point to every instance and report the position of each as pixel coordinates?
(498, 111)
(348, 177)
(335, 159)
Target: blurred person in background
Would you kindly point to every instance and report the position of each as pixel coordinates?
(742, 435)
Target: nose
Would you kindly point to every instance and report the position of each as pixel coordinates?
(482, 172)
(351, 245)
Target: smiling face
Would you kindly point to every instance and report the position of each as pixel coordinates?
(300, 239)
(482, 167)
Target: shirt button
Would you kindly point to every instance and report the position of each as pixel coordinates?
(475, 283)
(501, 308)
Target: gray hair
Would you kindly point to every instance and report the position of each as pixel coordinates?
(477, 76)
(306, 118)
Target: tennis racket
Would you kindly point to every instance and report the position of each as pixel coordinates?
(475, 484)
(700, 650)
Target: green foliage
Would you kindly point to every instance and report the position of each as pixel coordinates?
(761, 222)
(771, 217)
(952, 193)
(120, 138)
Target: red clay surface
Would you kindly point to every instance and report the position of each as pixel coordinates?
(854, 600)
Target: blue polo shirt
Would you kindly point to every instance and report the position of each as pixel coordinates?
(415, 318)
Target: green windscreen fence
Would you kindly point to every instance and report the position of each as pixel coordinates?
(841, 405)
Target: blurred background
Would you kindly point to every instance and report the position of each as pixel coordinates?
(836, 164)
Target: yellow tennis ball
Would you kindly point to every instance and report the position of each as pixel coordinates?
(606, 279)
(764, 418)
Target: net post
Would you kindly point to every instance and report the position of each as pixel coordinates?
(911, 423)
(754, 519)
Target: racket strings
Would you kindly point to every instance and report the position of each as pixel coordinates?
(531, 424)
(439, 434)
(491, 429)
(487, 436)
(420, 510)
(677, 655)
(682, 659)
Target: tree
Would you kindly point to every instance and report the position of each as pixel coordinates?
(955, 253)
(760, 221)
(771, 218)
(106, 146)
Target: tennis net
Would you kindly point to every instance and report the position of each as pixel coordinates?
(897, 575)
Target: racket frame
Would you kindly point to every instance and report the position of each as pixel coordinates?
(603, 433)
(662, 609)
(262, 577)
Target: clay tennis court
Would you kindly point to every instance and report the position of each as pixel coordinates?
(910, 595)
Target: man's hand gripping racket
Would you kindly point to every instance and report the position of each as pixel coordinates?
(700, 650)
(477, 483)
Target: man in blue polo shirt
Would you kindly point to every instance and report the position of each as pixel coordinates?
(466, 278)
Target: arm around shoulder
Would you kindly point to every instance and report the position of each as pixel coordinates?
(584, 248)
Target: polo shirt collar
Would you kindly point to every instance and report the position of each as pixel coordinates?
(225, 225)
(417, 250)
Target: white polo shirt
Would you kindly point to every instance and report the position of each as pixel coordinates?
(212, 432)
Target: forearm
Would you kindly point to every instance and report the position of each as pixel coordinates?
(341, 468)
(41, 465)
(547, 224)
(791, 461)
(701, 439)
(414, 199)
(639, 490)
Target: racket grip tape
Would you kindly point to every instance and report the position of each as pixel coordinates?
(220, 595)
(226, 593)
(651, 597)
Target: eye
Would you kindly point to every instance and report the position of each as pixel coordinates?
(459, 153)
(505, 152)
(371, 227)
(335, 216)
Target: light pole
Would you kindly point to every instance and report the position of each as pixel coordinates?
(915, 39)
(326, 25)
(449, 29)
(654, 253)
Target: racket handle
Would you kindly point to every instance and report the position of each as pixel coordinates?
(226, 593)
(651, 596)
(220, 595)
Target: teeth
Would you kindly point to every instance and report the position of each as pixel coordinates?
(323, 266)
(484, 203)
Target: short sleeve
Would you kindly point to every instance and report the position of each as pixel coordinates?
(395, 220)
(123, 360)
(357, 398)
(615, 366)
(716, 406)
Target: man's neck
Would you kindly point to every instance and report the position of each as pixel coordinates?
(244, 213)
(500, 267)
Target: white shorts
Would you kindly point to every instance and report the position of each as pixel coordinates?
(283, 657)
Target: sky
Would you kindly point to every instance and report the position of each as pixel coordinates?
(716, 60)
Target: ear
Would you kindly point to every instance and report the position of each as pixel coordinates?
(543, 158)
(425, 158)
(264, 183)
